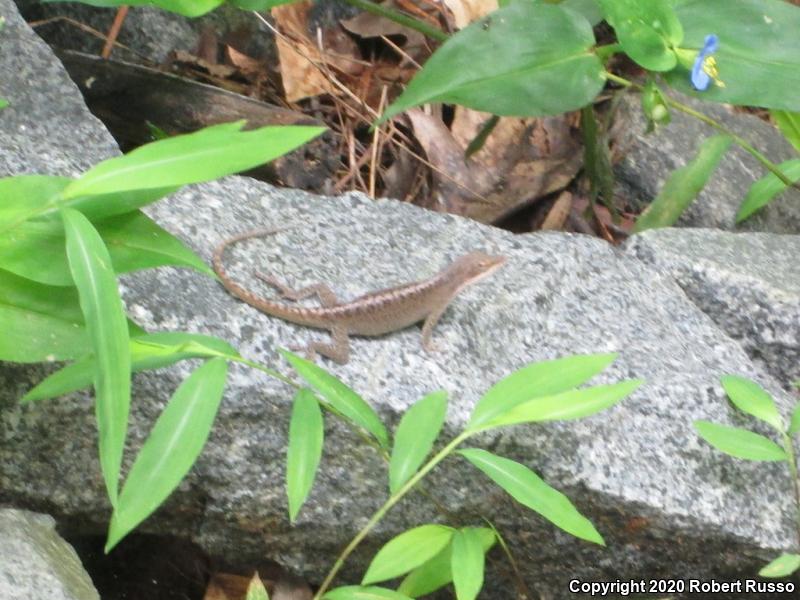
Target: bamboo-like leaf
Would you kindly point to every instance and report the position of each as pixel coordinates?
(467, 563)
(766, 189)
(201, 156)
(436, 572)
(407, 551)
(105, 320)
(534, 381)
(574, 404)
(794, 427)
(527, 488)
(789, 124)
(187, 8)
(306, 435)
(174, 444)
(27, 195)
(739, 443)
(783, 566)
(362, 592)
(751, 398)
(683, 185)
(341, 398)
(416, 433)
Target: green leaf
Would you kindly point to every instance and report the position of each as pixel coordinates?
(105, 320)
(535, 381)
(497, 65)
(187, 8)
(794, 427)
(259, 5)
(150, 351)
(527, 488)
(407, 551)
(783, 566)
(169, 452)
(27, 195)
(789, 124)
(739, 443)
(416, 433)
(3, 103)
(683, 185)
(751, 398)
(35, 249)
(467, 563)
(341, 398)
(207, 154)
(256, 589)
(647, 31)
(436, 572)
(763, 191)
(360, 592)
(759, 50)
(306, 434)
(573, 404)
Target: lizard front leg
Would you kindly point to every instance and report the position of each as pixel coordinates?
(427, 328)
(327, 297)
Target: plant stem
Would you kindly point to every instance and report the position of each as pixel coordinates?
(401, 18)
(788, 447)
(381, 512)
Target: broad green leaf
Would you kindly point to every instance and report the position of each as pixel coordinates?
(783, 566)
(35, 249)
(751, 398)
(588, 8)
(789, 124)
(24, 196)
(3, 103)
(794, 427)
(534, 381)
(201, 156)
(763, 191)
(187, 8)
(467, 563)
(527, 488)
(105, 320)
(759, 50)
(573, 404)
(361, 592)
(414, 438)
(175, 442)
(407, 551)
(683, 185)
(341, 398)
(436, 572)
(256, 589)
(306, 434)
(499, 65)
(647, 31)
(102, 206)
(739, 443)
(150, 351)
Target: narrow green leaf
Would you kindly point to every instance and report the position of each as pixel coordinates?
(467, 563)
(169, 452)
(764, 191)
(794, 427)
(416, 433)
(207, 154)
(105, 320)
(683, 185)
(3, 103)
(360, 592)
(573, 404)
(343, 399)
(496, 65)
(306, 435)
(256, 589)
(535, 381)
(187, 8)
(150, 351)
(527, 488)
(739, 443)
(783, 566)
(27, 195)
(407, 551)
(789, 124)
(751, 398)
(436, 572)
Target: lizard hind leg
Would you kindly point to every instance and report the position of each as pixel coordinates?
(327, 297)
(338, 350)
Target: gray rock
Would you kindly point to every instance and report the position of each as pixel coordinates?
(649, 159)
(36, 563)
(749, 284)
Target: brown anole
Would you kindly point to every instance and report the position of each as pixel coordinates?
(372, 314)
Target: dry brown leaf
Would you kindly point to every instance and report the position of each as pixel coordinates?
(558, 213)
(370, 25)
(467, 11)
(249, 66)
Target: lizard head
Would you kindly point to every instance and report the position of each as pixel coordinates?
(474, 266)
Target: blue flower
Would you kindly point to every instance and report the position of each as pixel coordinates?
(704, 69)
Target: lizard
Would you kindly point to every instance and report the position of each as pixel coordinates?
(373, 314)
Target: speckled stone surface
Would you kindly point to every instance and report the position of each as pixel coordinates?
(36, 563)
(666, 503)
(749, 284)
(649, 159)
